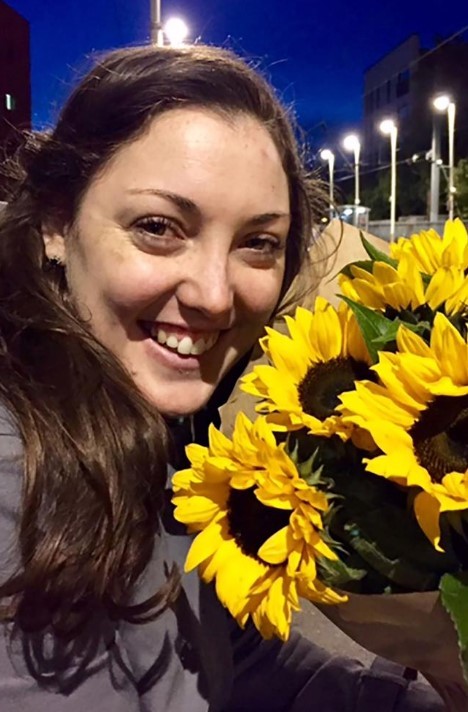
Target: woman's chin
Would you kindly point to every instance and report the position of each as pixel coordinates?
(180, 401)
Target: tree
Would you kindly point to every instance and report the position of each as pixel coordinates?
(412, 191)
(461, 185)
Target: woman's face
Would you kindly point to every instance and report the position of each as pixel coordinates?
(177, 254)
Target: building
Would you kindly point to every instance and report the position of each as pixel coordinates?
(402, 84)
(15, 73)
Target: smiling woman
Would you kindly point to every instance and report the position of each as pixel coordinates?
(148, 240)
(192, 219)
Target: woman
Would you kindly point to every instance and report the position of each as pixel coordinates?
(147, 241)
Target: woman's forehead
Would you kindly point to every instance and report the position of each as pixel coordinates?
(200, 153)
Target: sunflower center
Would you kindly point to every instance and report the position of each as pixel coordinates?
(251, 523)
(440, 436)
(324, 382)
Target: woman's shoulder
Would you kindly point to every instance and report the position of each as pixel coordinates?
(8, 428)
(11, 457)
(11, 479)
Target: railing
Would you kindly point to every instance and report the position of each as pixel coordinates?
(405, 227)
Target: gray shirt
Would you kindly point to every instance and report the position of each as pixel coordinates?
(193, 658)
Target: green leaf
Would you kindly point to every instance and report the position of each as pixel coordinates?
(336, 573)
(377, 255)
(374, 326)
(454, 597)
(396, 570)
(373, 519)
(380, 342)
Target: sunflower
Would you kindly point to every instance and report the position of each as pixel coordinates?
(429, 270)
(418, 417)
(404, 286)
(259, 524)
(323, 356)
(429, 252)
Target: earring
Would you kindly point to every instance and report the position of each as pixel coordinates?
(54, 266)
(54, 262)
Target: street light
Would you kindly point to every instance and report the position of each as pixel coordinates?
(444, 103)
(352, 143)
(389, 128)
(327, 155)
(176, 31)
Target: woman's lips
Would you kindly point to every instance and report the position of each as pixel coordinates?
(178, 346)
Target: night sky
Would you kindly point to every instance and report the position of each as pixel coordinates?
(314, 52)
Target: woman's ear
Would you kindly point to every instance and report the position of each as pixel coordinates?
(54, 243)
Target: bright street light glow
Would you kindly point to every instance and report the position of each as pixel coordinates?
(351, 142)
(176, 31)
(441, 103)
(326, 154)
(387, 126)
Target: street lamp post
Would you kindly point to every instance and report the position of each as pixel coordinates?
(389, 128)
(327, 155)
(435, 171)
(444, 103)
(157, 36)
(451, 139)
(352, 143)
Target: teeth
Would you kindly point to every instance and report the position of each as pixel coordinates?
(172, 341)
(198, 347)
(185, 346)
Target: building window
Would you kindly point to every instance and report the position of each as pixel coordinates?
(10, 103)
(403, 81)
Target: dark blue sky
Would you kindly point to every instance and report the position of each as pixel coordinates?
(314, 52)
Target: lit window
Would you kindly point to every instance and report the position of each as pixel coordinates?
(9, 102)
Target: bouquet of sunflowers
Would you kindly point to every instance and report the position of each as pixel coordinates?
(351, 485)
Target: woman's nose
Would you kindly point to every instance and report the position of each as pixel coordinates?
(207, 286)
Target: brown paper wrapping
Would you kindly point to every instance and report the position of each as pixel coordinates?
(412, 629)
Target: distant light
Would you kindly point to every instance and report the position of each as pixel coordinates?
(351, 142)
(326, 154)
(441, 102)
(439, 162)
(347, 211)
(387, 126)
(176, 31)
(415, 157)
(9, 102)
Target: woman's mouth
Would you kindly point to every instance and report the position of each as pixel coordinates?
(181, 341)
(185, 345)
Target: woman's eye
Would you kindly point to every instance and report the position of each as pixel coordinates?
(264, 244)
(159, 227)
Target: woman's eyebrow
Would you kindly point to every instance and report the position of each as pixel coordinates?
(268, 217)
(184, 204)
(188, 206)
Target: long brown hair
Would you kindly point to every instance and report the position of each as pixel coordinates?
(94, 450)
